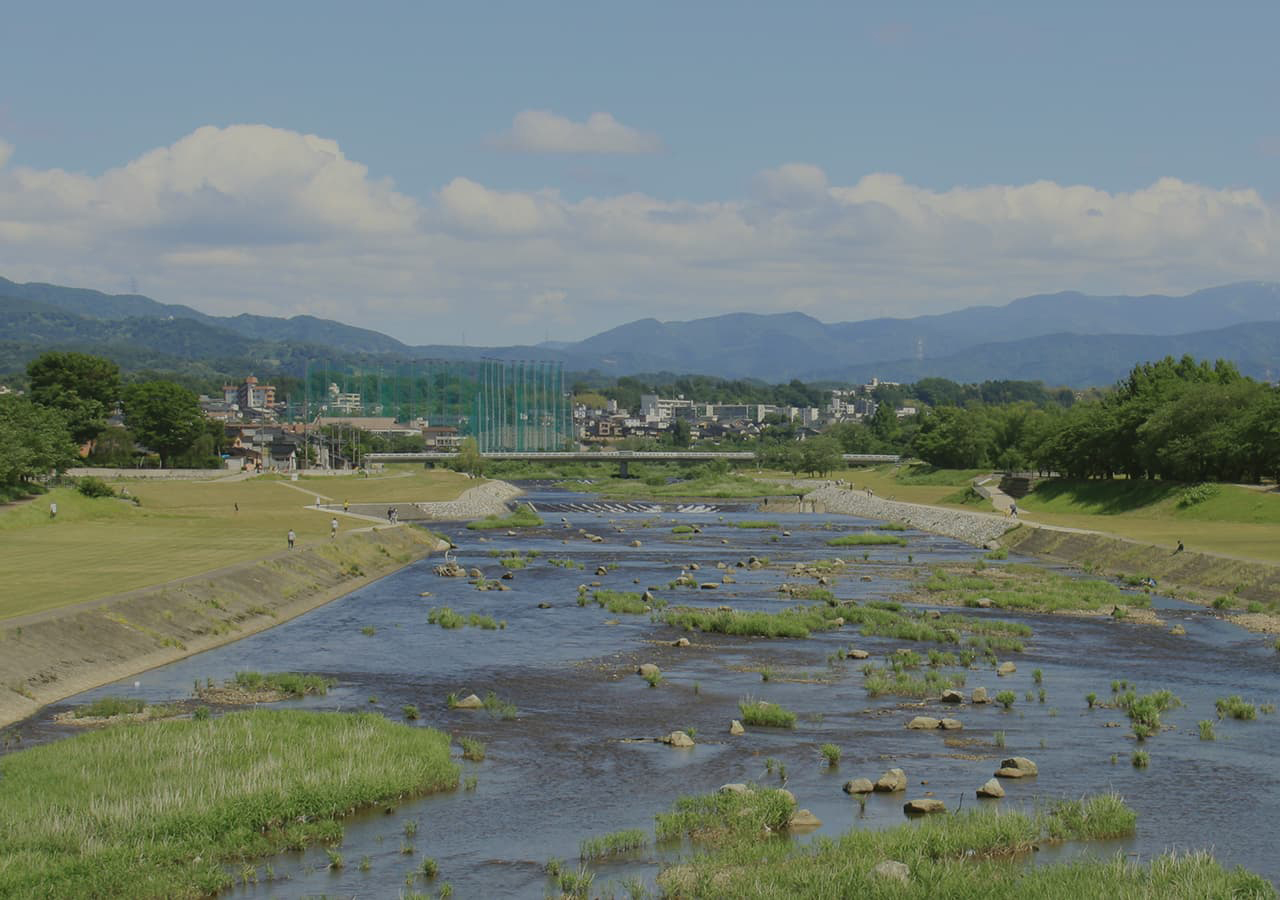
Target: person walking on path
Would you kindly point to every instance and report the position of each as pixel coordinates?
(333, 528)
(346, 505)
(292, 537)
(53, 510)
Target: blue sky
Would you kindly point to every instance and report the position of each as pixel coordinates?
(845, 160)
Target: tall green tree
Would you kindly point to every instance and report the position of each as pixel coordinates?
(164, 416)
(86, 388)
(34, 440)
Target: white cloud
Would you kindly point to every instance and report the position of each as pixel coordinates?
(542, 131)
(258, 219)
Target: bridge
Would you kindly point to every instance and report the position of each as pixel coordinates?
(621, 457)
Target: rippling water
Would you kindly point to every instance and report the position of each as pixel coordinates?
(564, 769)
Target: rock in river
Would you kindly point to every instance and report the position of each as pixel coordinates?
(991, 789)
(892, 781)
(678, 739)
(923, 723)
(471, 701)
(924, 805)
(859, 786)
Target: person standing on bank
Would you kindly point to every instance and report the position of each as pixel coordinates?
(292, 537)
(333, 528)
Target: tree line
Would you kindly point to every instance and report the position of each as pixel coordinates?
(66, 409)
(1175, 419)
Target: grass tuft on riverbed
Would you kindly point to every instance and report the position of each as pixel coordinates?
(158, 810)
(967, 854)
(1030, 588)
(524, 516)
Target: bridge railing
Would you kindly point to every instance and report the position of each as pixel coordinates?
(611, 455)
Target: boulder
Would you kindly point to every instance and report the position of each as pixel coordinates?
(471, 701)
(802, 818)
(602, 570)
(787, 795)
(544, 605)
(935, 614)
(923, 806)
(866, 578)
(728, 579)
(721, 565)
(1021, 763)
(979, 695)
(678, 739)
(854, 653)
(755, 564)
(476, 573)
(1178, 630)
(991, 789)
(983, 602)
(736, 787)
(1006, 772)
(838, 622)
(950, 725)
(735, 727)
(595, 539)
(1006, 668)
(645, 670)
(786, 534)
(951, 695)
(708, 585)
(693, 567)
(891, 782)
(507, 576)
(891, 870)
(923, 723)
(859, 786)
(648, 597)
(635, 543)
(680, 642)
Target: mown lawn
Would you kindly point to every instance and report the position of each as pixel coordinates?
(99, 547)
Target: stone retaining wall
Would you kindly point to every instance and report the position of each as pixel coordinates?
(971, 527)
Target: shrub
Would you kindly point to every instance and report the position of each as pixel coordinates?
(410, 711)
(1141, 759)
(90, 486)
(1206, 730)
(831, 753)
(109, 707)
(1006, 698)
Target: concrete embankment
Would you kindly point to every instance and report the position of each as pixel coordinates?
(971, 527)
(47, 656)
(1199, 577)
(488, 499)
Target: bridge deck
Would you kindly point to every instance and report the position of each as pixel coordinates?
(611, 456)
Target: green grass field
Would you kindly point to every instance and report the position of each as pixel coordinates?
(99, 547)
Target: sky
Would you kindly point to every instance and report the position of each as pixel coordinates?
(501, 173)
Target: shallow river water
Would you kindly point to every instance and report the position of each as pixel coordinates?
(564, 769)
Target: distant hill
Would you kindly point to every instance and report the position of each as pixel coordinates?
(1066, 338)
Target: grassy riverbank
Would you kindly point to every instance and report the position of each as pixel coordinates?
(100, 547)
(159, 810)
(965, 855)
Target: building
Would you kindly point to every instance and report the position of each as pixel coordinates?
(659, 409)
(340, 402)
(250, 394)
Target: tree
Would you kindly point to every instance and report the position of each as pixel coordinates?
(34, 440)
(679, 433)
(164, 416)
(820, 455)
(468, 458)
(86, 388)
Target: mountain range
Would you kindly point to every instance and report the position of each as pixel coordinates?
(1065, 338)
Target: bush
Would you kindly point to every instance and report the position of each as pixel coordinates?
(1006, 698)
(762, 713)
(90, 486)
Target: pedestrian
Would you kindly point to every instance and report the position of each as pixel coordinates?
(1013, 510)
(346, 505)
(292, 537)
(53, 510)
(333, 528)
(1180, 548)
(237, 506)
(390, 512)
(317, 503)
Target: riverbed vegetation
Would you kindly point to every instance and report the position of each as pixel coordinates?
(1026, 588)
(797, 622)
(160, 809)
(967, 854)
(613, 843)
(766, 714)
(866, 539)
(523, 516)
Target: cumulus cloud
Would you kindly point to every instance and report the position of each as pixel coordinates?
(542, 131)
(256, 219)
